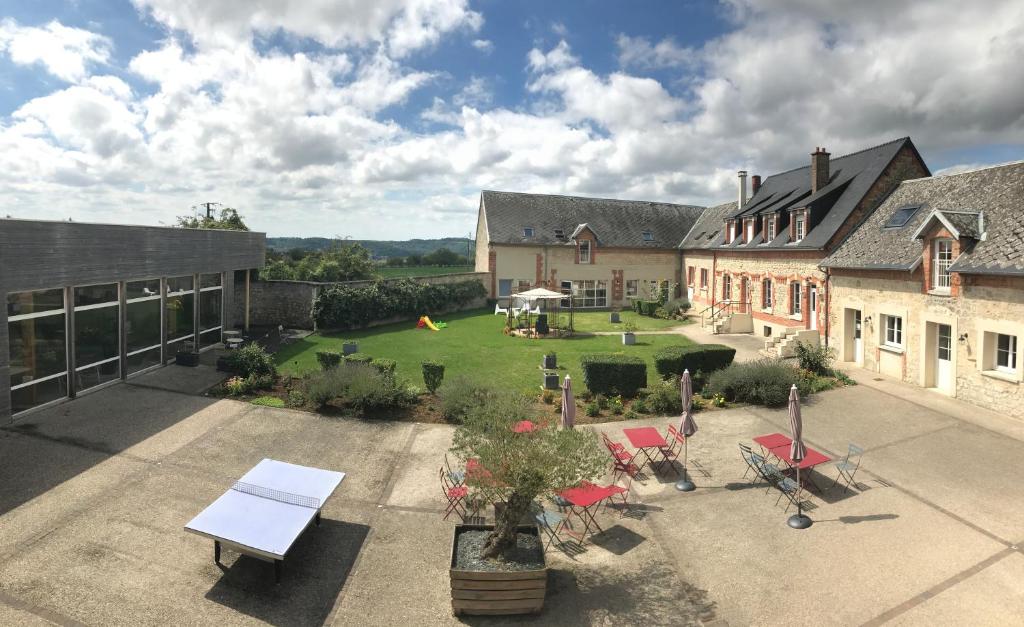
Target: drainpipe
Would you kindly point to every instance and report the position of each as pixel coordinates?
(828, 303)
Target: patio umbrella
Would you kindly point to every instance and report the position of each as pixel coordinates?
(797, 452)
(687, 427)
(568, 405)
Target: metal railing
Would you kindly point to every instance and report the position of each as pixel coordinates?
(729, 306)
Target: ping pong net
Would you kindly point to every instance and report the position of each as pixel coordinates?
(276, 495)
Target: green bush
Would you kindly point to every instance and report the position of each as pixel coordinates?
(602, 401)
(319, 388)
(370, 390)
(384, 365)
(630, 415)
(677, 306)
(762, 382)
(328, 359)
(349, 307)
(235, 386)
(637, 305)
(462, 394)
(592, 409)
(612, 373)
(433, 375)
(663, 397)
(251, 359)
(640, 406)
(699, 358)
(267, 401)
(296, 398)
(817, 359)
(648, 307)
(259, 382)
(358, 358)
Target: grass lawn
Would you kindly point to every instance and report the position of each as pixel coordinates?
(396, 273)
(598, 321)
(473, 345)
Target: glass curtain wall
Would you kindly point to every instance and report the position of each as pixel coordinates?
(142, 324)
(38, 348)
(180, 313)
(210, 301)
(97, 335)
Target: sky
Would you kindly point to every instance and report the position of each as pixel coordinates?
(385, 119)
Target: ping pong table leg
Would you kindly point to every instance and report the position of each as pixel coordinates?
(216, 551)
(277, 571)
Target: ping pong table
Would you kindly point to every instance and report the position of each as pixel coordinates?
(266, 511)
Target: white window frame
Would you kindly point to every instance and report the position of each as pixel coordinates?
(632, 287)
(942, 259)
(796, 298)
(703, 278)
(766, 293)
(1005, 360)
(584, 251)
(726, 287)
(770, 232)
(892, 331)
(799, 226)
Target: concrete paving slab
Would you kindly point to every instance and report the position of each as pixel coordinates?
(184, 379)
(417, 482)
(997, 589)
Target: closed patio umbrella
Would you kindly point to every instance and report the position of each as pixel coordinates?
(687, 427)
(797, 452)
(568, 405)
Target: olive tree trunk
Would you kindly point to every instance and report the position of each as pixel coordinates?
(506, 525)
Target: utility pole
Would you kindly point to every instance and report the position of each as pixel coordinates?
(209, 208)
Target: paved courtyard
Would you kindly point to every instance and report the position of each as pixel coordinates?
(96, 492)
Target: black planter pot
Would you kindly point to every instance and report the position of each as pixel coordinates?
(550, 381)
(550, 362)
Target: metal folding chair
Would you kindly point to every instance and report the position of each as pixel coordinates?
(620, 492)
(670, 452)
(456, 496)
(457, 477)
(747, 453)
(791, 490)
(772, 475)
(551, 522)
(848, 466)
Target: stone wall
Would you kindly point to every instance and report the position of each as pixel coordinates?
(290, 303)
(984, 305)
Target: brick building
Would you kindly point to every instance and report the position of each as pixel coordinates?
(604, 250)
(755, 268)
(930, 289)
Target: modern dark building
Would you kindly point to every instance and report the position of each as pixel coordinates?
(92, 304)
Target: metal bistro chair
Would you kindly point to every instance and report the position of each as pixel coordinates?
(620, 492)
(456, 496)
(791, 490)
(753, 460)
(772, 475)
(551, 522)
(848, 466)
(457, 477)
(670, 452)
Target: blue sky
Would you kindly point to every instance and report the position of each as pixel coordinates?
(385, 119)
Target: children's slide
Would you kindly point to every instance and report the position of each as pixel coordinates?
(425, 322)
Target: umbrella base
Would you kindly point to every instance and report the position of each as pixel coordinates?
(799, 521)
(685, 485)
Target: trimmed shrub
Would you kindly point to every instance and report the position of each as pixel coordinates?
(433, 375)
(384, 365)
(663, 397)
(328, 359)
(699, 358)
(649, 307)
(460, 395)
(251, 359)
(677, 306)
(348, 307)
(358, 358)
(611, 373)
(762, 382)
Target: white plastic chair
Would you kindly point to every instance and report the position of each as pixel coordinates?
(498, 309)
(536, 310)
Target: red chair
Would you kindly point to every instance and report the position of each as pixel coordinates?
(620, 491)
(670, 452)
(456, 495)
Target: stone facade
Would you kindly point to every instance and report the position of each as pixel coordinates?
(982, 307)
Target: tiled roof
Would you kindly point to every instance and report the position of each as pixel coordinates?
(616, 223)
(850, 178)
(708, 231)
(997, 193)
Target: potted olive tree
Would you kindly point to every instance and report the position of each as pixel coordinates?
(629, 333)
(492, 563)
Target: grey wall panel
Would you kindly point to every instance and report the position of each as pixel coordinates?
(5, 371)
(36, 254)
(228, 294)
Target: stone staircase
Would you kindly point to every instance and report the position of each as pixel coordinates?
(783, 344)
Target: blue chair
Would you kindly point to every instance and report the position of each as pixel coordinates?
(790, 489)
(848, 466)
(551, 522)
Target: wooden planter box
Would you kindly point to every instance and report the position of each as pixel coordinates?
(512, 592)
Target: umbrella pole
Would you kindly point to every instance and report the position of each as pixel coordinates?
(799, 521)
(684, 484)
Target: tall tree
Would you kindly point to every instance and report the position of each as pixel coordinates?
(229, 220)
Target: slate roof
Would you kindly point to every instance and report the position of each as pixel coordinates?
(997, 193)
(850, 178)
(616, 223)
(709, 231)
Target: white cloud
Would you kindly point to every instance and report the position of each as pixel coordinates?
(638, 52)
(476, 93)
(558, 57)
(485, 46)
(64, 51)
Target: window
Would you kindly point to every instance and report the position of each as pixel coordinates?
(589, 293)
(97, 335)
(1006, 353)
(750, 230)
(38, 348)
(179, 318)
(703, 278)
(559, 234)
(726, 287)
(794, 298)
(504, 287)
(209, 309)
(142, 324)
(766, 294)
(648, 237)
(893, 326)
(632, 286)
(528, 231)
(940, 268)
(585, 251)
(689, 276)
(770, 229)
(801, 226)
(901, 217)
(523, 285)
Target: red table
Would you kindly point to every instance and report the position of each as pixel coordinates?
(778, 445)
(643, 438)
(582, 500)
(772, 440)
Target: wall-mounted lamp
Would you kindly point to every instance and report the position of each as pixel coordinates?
(867, 320)
(962, 338)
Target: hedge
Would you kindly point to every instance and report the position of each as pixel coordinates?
(611, 373)
(702, 358)
(328, 359)
(348, 307)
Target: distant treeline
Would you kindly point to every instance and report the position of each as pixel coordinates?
(377, 248)
(347, 261)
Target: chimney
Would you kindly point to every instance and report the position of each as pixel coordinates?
(743, 187)
(819, 169)
(755, 184)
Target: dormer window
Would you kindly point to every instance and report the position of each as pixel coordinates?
(769, 229)
(648, 237)
(750, 231)
(528, 231)
(941, 261)
(800, 226)
(585, 251)
(559, 234)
